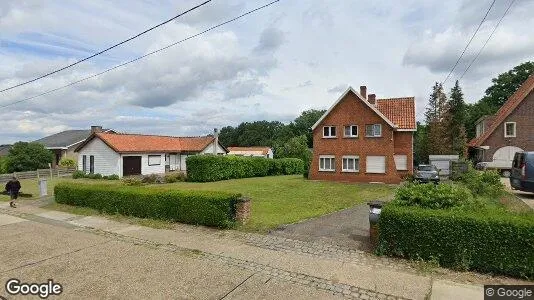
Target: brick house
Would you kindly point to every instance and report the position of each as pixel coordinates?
(510, 130)
(364, 139)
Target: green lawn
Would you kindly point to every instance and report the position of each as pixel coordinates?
(280, 200)
(31, 186)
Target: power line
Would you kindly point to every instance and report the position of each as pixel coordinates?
(489, 38)
(141, 57)
(470, 40)
(107, 49)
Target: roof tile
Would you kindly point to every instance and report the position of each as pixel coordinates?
(154, 143)
(400, 111)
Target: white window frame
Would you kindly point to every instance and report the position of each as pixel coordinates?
(332, 163)
(375, 126)
(396, 165)
(350, 135)
(506, 135)
(154, 163)
(356, 165)
(329, 136)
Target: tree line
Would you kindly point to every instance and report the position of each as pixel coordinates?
(450, 122)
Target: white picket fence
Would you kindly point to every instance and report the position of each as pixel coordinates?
(41, 173)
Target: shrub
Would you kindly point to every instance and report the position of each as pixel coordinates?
(483, 183)
(94, 176)
(67, 162)
(192, 207)
(78, 174)
(132, 181)
(433, 196)
(204, 168)
(487, 241)
(152, 178)
(174, 177)
(113, 177)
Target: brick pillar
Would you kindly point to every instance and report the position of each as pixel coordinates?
(242, 210)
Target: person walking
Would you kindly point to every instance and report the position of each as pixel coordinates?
(13, 188)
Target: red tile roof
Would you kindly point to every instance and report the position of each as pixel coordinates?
(400, 111)
(138, 143)
(264, 150)
(507, 108)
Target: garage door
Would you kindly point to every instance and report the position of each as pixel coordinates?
(131, 165)
(376, 164)
(504, 156)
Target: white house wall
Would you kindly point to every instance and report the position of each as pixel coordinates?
(106, 161)
(209, 149)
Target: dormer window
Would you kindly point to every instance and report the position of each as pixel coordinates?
(509, 129)
(329, 131)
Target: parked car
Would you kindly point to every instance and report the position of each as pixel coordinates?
(426, 173)
(522, 175)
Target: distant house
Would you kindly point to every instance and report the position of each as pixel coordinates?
(251, 151)
(136, 154)
(64, 143)
(4, 150)
(510, 130)
(364, 139)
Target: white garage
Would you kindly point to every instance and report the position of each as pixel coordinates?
(442, 162)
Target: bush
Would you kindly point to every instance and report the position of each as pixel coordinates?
(132, 181)
(113, 177)
(483, 183)
(488, 241)
(152, 178)
(94, 176)
(78, 174)
(174, 177)
(204, 168)
(67, 162)
(192, 207)
(433, 196)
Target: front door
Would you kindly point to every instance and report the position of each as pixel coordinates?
(131, 165)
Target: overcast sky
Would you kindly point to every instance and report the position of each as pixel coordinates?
(289, 57)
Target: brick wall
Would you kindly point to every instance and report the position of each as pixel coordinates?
(351, 111)
(523, 115)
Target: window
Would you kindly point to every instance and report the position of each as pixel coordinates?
(329, 131)
(401, 162)
(84, 163)
(91, 164)
(351, 131)
(376, 164)
(374, 130)
(509, 129)
(327, 163)
(154, 160)
(351, 164)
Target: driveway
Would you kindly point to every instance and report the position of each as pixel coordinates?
(528, 198)
(347, 228)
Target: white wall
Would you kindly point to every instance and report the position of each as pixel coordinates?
(209, 149)
(145, 168)
(107, 161)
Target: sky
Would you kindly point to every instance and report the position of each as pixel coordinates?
(271, 65)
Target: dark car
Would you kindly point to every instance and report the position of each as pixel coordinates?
(426, 173)
(522, 175)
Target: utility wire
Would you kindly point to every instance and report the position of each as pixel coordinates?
(107, 49)
(141, 57)
(470, 40)
(489, 38)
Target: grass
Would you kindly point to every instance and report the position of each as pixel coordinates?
(31, 186)
(278, 200)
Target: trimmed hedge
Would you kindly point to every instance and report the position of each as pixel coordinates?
(204, 168)
(489, 240)
(193, 207)
(433, 196)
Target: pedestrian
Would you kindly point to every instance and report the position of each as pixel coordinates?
(13, 188)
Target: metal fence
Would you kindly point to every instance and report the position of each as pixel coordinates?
(41, 173)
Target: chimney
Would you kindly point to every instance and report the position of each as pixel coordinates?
(363, 91)
(216, 140)
(372, 98)
(96, 129)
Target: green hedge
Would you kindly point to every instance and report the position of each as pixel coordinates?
(204, 168)
(193, 207)
(489, 240)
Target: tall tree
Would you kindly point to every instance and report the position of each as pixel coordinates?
(296, 147)
(305, 121)
(25, 156)
(435, 118)
(420, 144)
(455, 121)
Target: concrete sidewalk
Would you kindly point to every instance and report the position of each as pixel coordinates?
(308, 269)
